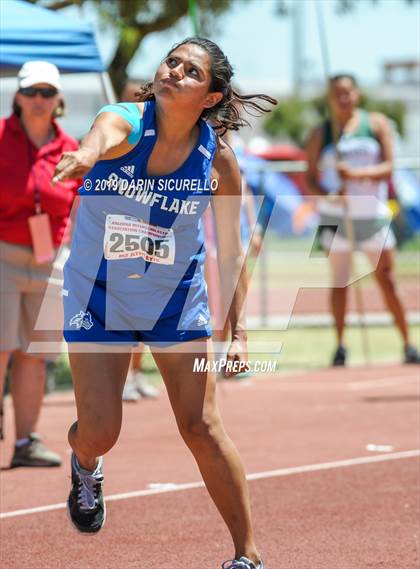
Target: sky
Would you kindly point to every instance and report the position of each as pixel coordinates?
(260, 44)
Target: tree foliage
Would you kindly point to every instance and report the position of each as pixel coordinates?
(294, 117)
(133, 20)
(291, 118)
(285, 7)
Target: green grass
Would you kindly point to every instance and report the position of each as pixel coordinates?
(62, 375)
(312, 348)
(276, 243)
(302, 349)
(288, 263)
(413, 244)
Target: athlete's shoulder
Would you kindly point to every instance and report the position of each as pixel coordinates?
(130, 112)
(317, 132)
(378, 119)
(133, 107)
(224, 156)
(225, 168)
(132, 115)
(127, 106)
(379, 125)
(316, 139)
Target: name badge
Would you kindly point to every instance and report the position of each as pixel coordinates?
(42, 243)
(127, 237)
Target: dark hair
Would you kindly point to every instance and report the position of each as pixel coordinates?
(341, 76)
(131, 81)
(225, 115)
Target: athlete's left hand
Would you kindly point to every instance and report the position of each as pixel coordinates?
(236, 358)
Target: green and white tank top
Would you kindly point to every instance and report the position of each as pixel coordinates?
(367, 198)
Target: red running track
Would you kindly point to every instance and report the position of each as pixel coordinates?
(355, 515)
(306, 300)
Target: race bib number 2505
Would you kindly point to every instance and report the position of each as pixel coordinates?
(127, 238)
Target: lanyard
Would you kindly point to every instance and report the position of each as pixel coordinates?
(32, 161)
(37, 197)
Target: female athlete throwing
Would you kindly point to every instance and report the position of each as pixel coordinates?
(135, 273)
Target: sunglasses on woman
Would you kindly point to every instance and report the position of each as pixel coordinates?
(45, 92)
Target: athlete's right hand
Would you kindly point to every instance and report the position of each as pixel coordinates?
(74, 165)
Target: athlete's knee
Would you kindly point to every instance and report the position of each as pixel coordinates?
(21, 358)
(91, 440)
(385, 276)
(341, 279)
(201, 429)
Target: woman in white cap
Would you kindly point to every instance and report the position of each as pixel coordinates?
(33, 224)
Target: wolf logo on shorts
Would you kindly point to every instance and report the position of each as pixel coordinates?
(82, 320)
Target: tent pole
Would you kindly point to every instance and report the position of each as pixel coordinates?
(107, 89)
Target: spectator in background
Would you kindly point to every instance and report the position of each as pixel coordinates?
(34, 219)
(350, 161)
(136, 385)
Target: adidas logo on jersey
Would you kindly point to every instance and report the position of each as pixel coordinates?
(128, 170)
(202, 320)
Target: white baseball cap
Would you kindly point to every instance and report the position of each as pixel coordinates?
(33, 72)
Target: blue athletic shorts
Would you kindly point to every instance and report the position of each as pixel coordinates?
(95, 312)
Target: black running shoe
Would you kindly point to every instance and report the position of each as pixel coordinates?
(411, 355)
(340, 356)
(85, 505)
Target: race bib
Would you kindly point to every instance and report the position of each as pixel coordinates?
(127, 238)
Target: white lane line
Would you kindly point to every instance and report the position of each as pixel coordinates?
(337, 464)
(256, 476)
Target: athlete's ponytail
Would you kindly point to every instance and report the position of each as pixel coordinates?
(225, 115)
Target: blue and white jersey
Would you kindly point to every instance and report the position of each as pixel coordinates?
(143, 234)
(141, 224)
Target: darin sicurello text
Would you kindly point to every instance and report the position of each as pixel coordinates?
(135, 187)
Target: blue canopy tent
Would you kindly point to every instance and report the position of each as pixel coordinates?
(30, 32)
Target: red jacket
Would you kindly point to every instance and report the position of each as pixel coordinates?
(22, 166)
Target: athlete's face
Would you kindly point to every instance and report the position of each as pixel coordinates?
(185, 78)
(343, 96)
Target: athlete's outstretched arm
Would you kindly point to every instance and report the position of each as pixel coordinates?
(106, 139)
(226, 204)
